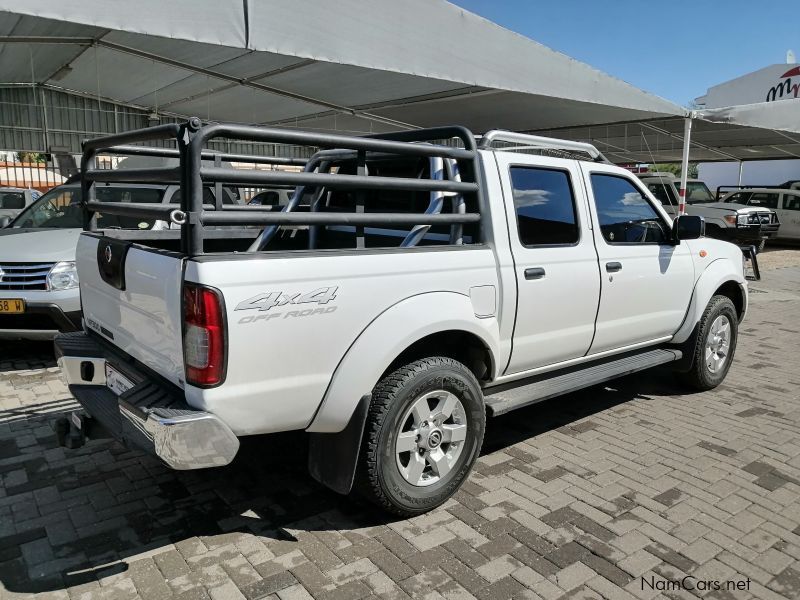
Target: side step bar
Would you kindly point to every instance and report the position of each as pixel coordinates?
(501, 402)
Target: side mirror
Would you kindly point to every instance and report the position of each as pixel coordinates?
(688, 227)
(4, 221)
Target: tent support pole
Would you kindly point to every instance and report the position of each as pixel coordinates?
(687, 140)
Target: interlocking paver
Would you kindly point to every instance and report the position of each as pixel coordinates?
(579, 497)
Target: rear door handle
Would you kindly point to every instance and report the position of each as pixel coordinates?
(613, 267)
(534, 273)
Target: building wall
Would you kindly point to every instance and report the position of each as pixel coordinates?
(36, 119)
(776, 82)
(757, 172)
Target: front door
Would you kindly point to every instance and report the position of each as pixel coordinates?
(554, 259)
(646, 281)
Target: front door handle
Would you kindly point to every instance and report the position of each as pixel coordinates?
(534, 273)
(613, 267)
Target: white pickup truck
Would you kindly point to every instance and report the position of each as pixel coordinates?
(424, 287)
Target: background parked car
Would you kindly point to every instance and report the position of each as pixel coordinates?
(14, 200)
(785, 202)
(39, 293)
(737, 223)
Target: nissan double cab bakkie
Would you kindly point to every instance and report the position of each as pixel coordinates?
(431, 281)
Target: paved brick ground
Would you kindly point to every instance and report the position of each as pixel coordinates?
(580, 497)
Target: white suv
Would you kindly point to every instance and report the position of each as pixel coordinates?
(737, 223)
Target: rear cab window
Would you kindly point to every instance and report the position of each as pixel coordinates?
(545, 207)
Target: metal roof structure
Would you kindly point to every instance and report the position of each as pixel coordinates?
(765, 131)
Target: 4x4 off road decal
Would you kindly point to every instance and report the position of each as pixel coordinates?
(269, 300)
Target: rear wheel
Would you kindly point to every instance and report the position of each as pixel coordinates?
(715, 345)
(423, 434)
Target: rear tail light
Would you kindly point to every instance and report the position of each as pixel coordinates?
(204, 351)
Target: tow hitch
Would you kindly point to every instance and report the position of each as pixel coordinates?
(73, 431)
(751, 254)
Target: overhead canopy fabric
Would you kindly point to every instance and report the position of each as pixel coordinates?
(783, 115)
(349, 65)
(352, 66)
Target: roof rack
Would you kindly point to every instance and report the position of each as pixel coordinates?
(458, 176)
(538, 142)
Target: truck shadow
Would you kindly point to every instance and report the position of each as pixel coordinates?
(70, 519)
(22, 354)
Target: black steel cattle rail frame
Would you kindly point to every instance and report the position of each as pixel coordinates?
(192, 137)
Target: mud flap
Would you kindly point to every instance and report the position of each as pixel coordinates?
(333, 457)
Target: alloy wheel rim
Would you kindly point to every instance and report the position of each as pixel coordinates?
(432, 436)
(718, 344)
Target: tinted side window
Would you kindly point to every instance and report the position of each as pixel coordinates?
(12, 200)
(739, 198)
(208, 197)
(544, 205)
(791, 202)
(625, 215)
(662, 192)
(764, 199)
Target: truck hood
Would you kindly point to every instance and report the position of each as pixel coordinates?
(38, 245)
(734, 207)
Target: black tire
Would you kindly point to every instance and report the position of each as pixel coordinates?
(379, 477)
(700, 376)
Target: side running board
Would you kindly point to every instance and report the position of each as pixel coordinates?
(549, 386)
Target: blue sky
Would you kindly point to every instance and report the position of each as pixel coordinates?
(676, 49)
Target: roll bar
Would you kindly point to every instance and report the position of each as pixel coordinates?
(192, 137)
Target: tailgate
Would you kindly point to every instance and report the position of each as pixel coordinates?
(132, 297)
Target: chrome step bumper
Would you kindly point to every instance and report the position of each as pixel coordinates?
(151, 416)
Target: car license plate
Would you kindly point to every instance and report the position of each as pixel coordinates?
(12, 306)
(116, 381)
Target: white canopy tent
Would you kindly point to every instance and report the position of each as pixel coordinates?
(357, 66)
(349, 65)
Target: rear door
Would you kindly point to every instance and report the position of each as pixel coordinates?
(646, 281)
(554, 259)
(131, 296)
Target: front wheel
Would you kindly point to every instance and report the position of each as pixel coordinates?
(717, 333)
(423, 433)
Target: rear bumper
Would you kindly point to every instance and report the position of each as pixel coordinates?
(151, 415)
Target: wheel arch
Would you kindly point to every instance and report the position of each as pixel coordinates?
(718, 278)
(442, 323)
(338, 427)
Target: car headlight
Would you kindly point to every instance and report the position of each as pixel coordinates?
(744, 219)
(63, 276)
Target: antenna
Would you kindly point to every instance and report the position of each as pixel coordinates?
(790, 59)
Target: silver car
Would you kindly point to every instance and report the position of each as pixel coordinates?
(39, 293)
(13, 200)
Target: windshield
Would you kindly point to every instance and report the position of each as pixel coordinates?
(697, 192)
(60, 208)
